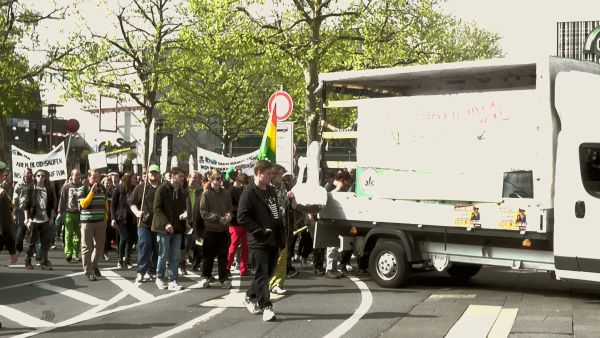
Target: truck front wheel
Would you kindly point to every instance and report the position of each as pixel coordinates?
(388, 264)
(463, 272)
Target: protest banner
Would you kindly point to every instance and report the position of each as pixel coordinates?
(210, 160)
(97, 160)
(55, 162)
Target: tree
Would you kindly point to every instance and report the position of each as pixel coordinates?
(325, 35)
(224, 76)
(129, 65)
(19, 88)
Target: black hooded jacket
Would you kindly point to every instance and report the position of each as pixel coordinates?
(255, 215)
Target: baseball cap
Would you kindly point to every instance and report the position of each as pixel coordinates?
(155, 168)
(2, 165)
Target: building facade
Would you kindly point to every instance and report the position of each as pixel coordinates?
(571, 39)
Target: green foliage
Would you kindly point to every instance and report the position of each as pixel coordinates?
(224, 75)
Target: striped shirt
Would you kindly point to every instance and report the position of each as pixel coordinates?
(93, 206)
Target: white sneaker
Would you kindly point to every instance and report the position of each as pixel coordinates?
(278, 290)
(252, 306)
(139, 278)
(205, 283)
(268, 314)
(173, 286)
(160, 284)
(227, 284)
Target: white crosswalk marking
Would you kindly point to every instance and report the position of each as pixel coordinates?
(80, 296)
(22, 318)
(480, 321)
(503, 323)
(452, 296)
(476, 321)
(128, 286)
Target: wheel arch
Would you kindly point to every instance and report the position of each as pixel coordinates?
(413, 254)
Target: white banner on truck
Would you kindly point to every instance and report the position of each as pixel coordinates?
(54, 162)
(210, 160)
(433, 146)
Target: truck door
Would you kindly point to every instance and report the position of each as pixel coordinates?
(577, 180)
(577, 185)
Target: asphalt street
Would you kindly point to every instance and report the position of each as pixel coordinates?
(496, 303)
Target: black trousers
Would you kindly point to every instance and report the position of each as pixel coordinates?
(216, 245)
(43, 232)
(264, 261)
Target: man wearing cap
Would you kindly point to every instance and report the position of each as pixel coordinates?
(7, 235)
(20, 193)
(142, 204)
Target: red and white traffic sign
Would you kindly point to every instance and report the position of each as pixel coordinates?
(283, 101)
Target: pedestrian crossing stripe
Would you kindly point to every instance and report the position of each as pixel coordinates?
(80, 296)
(483, 321)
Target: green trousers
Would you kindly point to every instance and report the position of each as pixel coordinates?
(278, 277)
(72, 234)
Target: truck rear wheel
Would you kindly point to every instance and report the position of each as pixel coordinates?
(388, 264)
(463, 272)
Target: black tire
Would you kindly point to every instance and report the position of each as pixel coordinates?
(463, 272)
(388, 264)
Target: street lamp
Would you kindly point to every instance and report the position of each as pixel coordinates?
(52, 116)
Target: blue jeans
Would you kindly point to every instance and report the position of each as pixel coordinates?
(20, 230)
(168, 246)
(147, 251)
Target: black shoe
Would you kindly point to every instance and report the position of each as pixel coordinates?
(91, 277)
(334, 274)
(97, 272)
(319, 271)
(46, 266)
(293, 273)
(69, 258)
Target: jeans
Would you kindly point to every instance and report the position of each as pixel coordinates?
(147, 251)
(264, 261)
(20, 230)
(168, 246)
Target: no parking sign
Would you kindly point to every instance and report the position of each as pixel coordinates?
(282, 102)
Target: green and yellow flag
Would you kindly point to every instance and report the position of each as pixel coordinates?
(269, 140)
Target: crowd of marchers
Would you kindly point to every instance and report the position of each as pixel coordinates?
(248, 223)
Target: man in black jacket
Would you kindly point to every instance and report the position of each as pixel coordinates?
(258, 213)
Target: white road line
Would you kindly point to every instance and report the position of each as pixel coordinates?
(40, 281)
(80, 296)
(476, 321)
(91, 313)
(452, 296)
(189, 325)
(503, 324)
(365, 304)
(128, 286)
(22, 318)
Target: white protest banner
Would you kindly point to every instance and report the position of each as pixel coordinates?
(210, 160)
(97, 160)
(54, 162)
(174, 162)
(285, 146)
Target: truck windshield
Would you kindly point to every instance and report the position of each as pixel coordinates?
(589, 164)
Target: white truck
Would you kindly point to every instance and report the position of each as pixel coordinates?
(459, 165)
